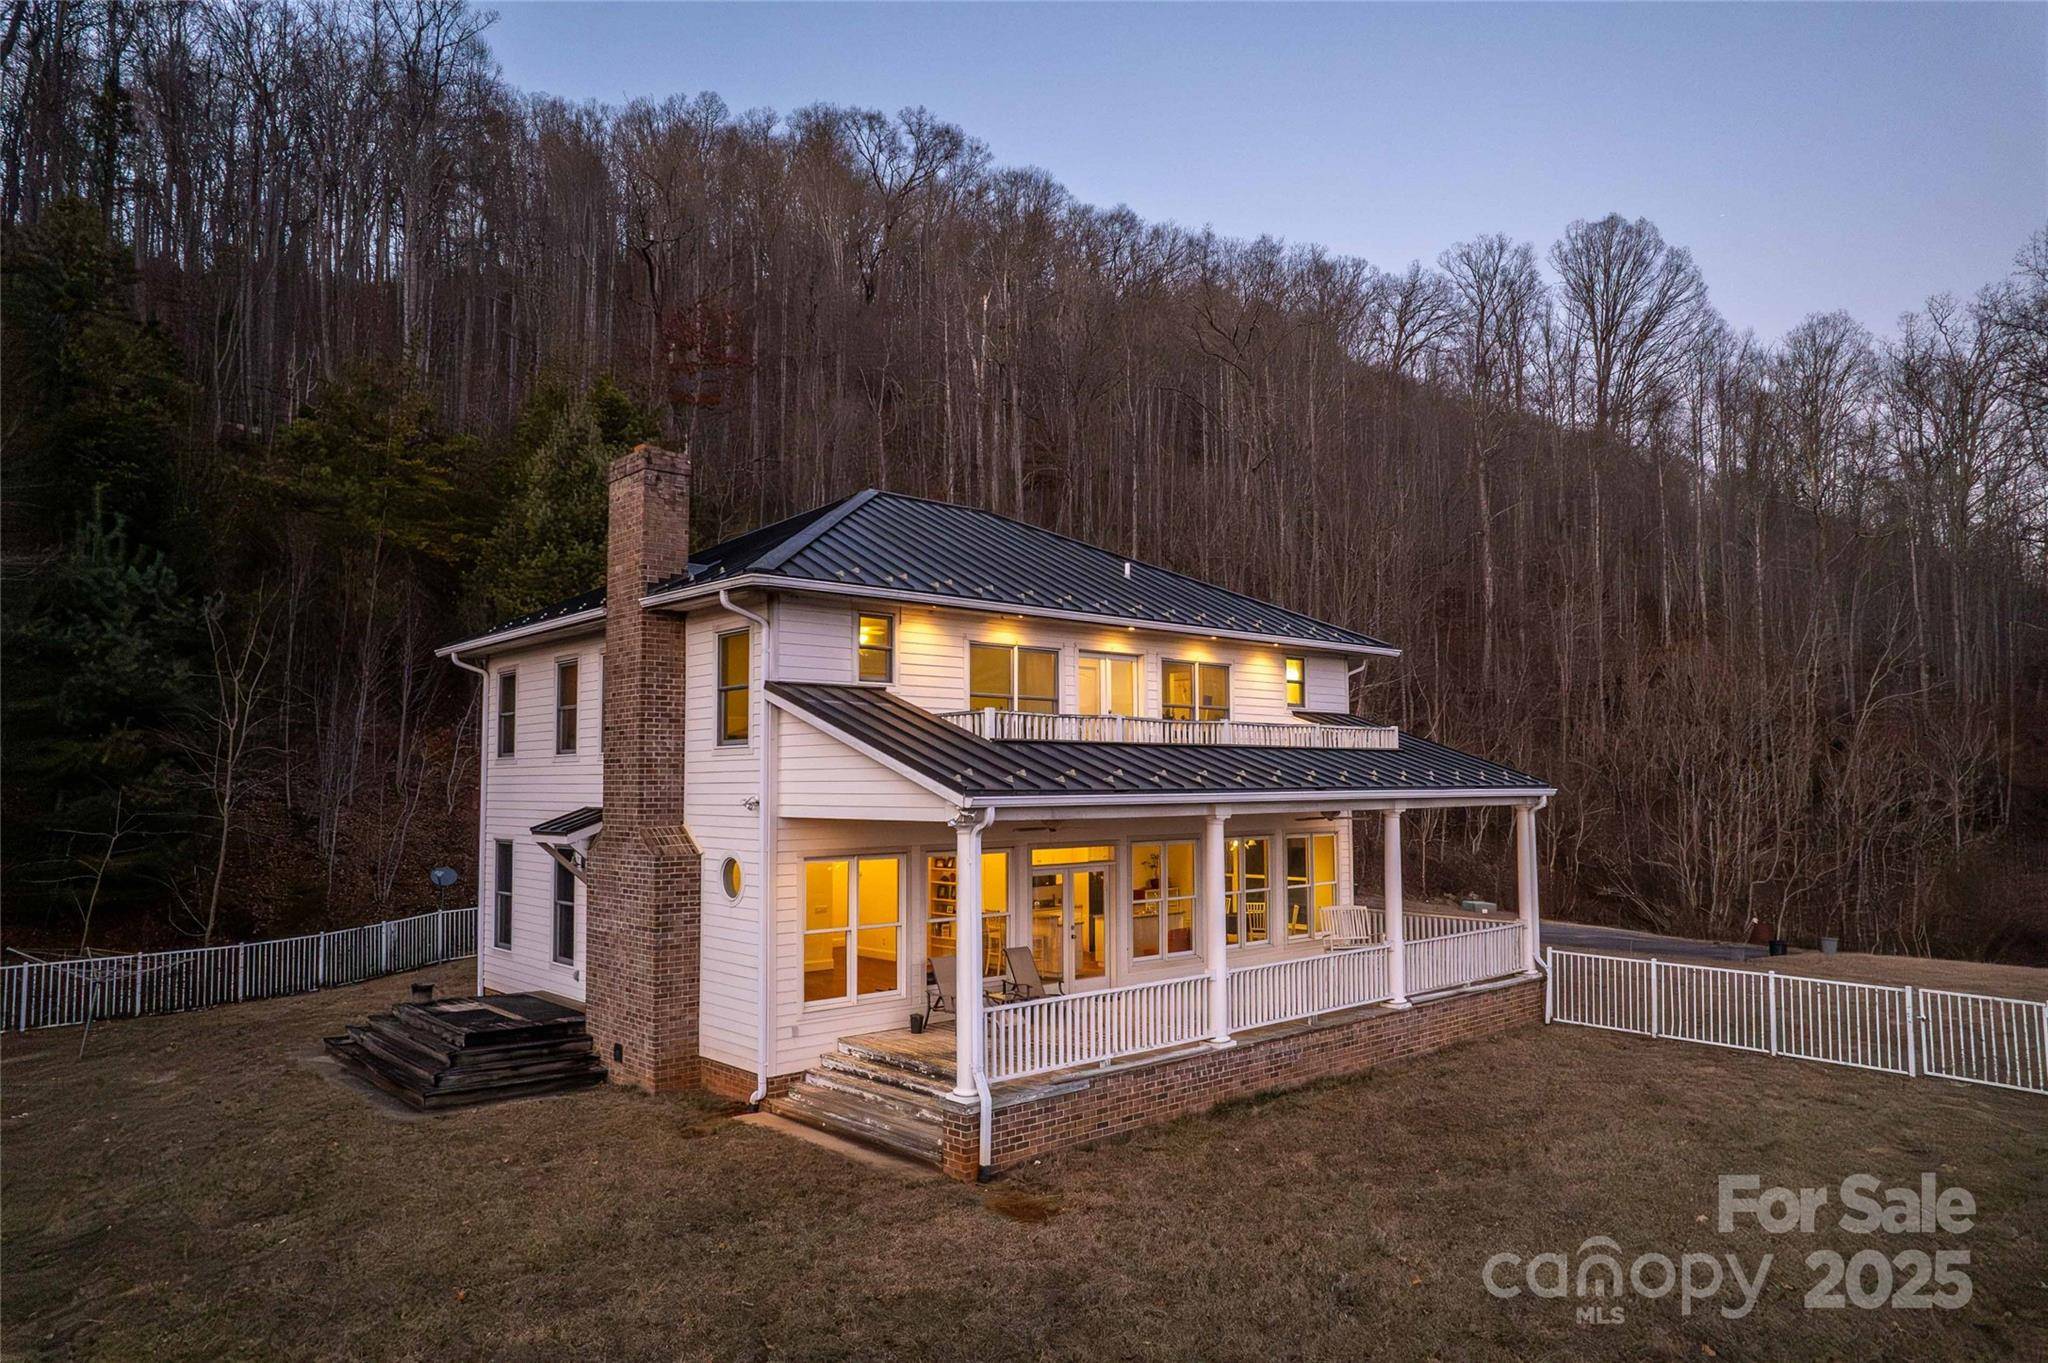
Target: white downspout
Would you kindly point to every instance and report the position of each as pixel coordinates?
(768, 808)
(483, 776)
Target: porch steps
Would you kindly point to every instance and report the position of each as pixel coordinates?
(872, 1097)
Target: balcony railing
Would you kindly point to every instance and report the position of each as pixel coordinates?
(1030, 727)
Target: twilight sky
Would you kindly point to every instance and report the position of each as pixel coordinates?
(1812, 156)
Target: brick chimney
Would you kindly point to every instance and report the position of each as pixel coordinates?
(644, 897)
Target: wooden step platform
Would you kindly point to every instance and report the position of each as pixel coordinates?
(880, 1100)
(458, 1052)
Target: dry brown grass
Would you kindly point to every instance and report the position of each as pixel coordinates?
(197, 1188)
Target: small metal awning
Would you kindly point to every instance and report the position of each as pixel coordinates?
(566, 837)
(571, 825)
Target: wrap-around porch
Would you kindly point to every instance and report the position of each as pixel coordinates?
(1354, 956)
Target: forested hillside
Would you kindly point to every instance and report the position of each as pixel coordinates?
(317, 337)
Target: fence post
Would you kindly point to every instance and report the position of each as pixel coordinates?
(1656, 1020)
(138, 986)
(1771, 1006)
(1549, 982)
(241, 972)
(384, 950)
(320, 964)
(1912, 1056)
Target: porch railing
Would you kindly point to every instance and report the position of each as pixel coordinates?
(1091, 1028)
(1030, 727)
(1359, 924)
(1287, 991)
(1042, 1035)
(1447, 962)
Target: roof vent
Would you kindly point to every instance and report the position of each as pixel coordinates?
(1127, 567)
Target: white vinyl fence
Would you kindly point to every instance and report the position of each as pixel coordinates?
(1896, 1029)
(65, 993)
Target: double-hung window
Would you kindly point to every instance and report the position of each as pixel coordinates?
(734, 703)
(508, 713)
(1311, 881)
(565, 705)
(1296, 669)
(875, 636)
(1194, 690)
(1247, 866)
(1013, 677)
(565, 914)
(1162, 899)
(1108, 684)
(853, 928)
(501, 896)
(942, 898)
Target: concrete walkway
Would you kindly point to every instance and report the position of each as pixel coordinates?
(1588, 937)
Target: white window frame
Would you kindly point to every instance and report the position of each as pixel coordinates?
(1310, 885)
(573, 707)
(895, 632)
(719, 688)
(555, 915)
(851, 930)
(995, 923)
(507, 720)
(1195, 696)
(1136, 662)
(1169, 894)
(1236, 900)
(1016, 652)
(503, 854)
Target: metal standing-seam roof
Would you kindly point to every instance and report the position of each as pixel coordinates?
(976, 768)
(892, 544)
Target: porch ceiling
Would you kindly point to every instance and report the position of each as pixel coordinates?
(974, 770)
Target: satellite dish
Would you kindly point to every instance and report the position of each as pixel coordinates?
(444, 876)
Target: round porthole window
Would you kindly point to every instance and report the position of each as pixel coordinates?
(729, 876)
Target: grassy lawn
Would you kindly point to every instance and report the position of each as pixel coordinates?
(198, 1187)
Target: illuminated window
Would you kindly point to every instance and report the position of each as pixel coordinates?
(877, 639)
(1162, 899)
(1072, 856)
(1011, 677)
(1311, 881)
(853, 928)
(1297, 681)
(1108, 684)
(1194, 690)
(942, 890)
(1246, 882)
(734, 709)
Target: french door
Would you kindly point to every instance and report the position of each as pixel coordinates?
(1070, 925)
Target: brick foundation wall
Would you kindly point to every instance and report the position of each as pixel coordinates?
(645, 875)
(737, 1085)
(1146, 1095)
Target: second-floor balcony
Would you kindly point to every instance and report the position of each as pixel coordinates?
(1020, 726)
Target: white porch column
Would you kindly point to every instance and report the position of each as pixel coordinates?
(1397, 938)
(968, 1024)
(1525, 882)
(1212, 928)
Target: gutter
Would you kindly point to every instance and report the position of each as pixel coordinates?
(483, 777)
(484, 642)
(767, 808)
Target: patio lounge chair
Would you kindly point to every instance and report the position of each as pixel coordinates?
(941, 987)
(1025, 981)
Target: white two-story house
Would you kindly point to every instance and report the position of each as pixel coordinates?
(737, 802)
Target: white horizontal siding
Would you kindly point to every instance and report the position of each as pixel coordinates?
(719, 779)
(822, 778)
(534, 784)
(816, 643)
